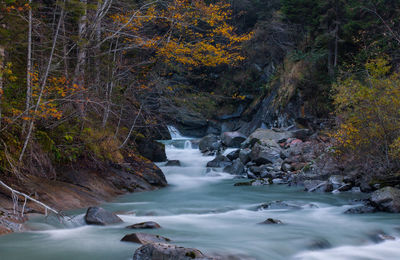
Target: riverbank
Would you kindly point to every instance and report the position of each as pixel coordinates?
(78, 186)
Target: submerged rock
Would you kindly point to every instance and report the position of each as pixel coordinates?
(145, 225)
(173, 163)
(386, 199)
(161, 251)
(143, 238)
(270, 221)
(319, 244)
(379, 236)
(99, 216)
(277, 205)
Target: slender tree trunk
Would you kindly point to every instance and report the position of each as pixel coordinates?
(28, 68)
(2, 58)
(42, 86)
(79, 74)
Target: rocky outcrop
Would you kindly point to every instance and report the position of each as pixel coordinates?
(143, 238)
(152, 150)
(99, 216)
(160, 251)
(145, 225)
(386, 199)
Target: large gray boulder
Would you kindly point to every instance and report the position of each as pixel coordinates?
(233, 139)
(386, 199)
(209, 143)
(244, 155)
(143, 238)
(266, 134)
(219, 161)
(99, 216)
(236, 168)
(161, 251)
(265, 154)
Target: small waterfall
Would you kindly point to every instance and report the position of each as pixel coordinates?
(175, 134)
(188, 145)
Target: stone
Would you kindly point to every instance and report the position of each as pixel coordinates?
(379, 236)
(232, 139)
(219, 161)
(247, 183)
(319, 244)
(152, 150)
(99, 216)
(302, 134)
(265, 155)
(173, 163)
(209, 143)
(386, 199)
(145, 225)
(162, 251)
(236, 168)
(233, 155)
(362, 209)
(244, 155)
(266, 134)
(143, 238)
(277, 205)
(270, 221)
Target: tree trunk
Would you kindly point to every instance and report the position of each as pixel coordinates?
(28, 68)
(2, 65)
(79, 74)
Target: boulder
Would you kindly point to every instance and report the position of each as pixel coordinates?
(161, 251)
(261, 154)
(152, 150)
(318, 244)
(233, 155)
(144, 225)
(219, 162)
(236, 168)
(173, 163)
(270, 221)
(302, 134)
(386, 199)
(266, 134)
(99, 216)
(209, 143)
(233, 139)
(362, 209)
(244, 155)
(143, 238)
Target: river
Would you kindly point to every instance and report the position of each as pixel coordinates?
(202, 209)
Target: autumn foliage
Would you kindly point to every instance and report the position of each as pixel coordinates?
(198, 34)
(369, 109)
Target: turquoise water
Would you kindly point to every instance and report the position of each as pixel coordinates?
(203, 209)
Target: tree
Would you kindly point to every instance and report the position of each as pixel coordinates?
(369, 112)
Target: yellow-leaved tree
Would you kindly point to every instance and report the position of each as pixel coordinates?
(195, 33)
(369, 110)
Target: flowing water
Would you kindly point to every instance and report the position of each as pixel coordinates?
(203, 209)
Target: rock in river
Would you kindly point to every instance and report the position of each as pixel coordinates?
(145, 225)
(209, 143)
(161, 251)
(173, 163)
(270, 221)
(233, 139)
(219, 162)
(236, 168)
(386, 199)
(143, 238)
(99, 216)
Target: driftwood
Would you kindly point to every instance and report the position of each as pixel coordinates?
(14, 195)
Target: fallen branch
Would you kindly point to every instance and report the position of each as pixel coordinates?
(15, 200)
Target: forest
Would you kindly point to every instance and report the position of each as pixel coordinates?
(305, 90)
